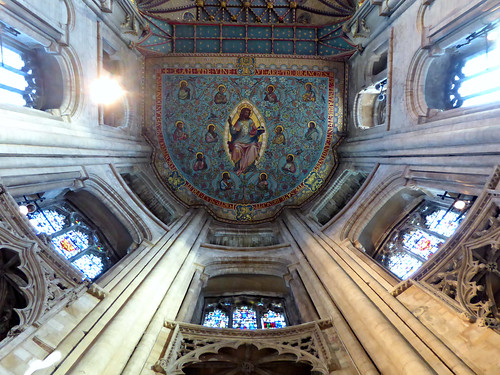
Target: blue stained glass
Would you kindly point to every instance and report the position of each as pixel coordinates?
(47, 221)
(71, 236)
(402, 264)
(244, 318)
(273, 320)
(216, 319)
(71, 243)
(443, 223)
(421, 243)
(90, 265)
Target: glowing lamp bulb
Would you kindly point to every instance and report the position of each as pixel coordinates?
(492, 35)
(23, 210)
(105, 90)
(459, 205)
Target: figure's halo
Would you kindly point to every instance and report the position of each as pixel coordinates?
(199, 153)
(180, 83)
(308, 84)
(280, 127)
(292, 155)
(263, 174)
(224, 87)
(245, 105)
(209, 125)
(272, 86)
(179, 122)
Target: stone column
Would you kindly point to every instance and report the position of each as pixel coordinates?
(189, 304)
(115, 342)
(385, 344)
(302, 298)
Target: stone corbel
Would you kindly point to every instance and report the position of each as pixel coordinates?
(96, 291)
(131, 26)
(105, 5)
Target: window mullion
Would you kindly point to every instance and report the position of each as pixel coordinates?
(481, 93)
(14, 70)
(12, 89)
(479, 74)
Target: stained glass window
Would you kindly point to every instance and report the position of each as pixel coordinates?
(475, 74)
(47, 221)
(216, 319)
(443, 222)
(421, 243)
(244, 317)
(272, 319)
(417, 238)
(18, 83)
(90, 265)
(72, 237)
(245, 312)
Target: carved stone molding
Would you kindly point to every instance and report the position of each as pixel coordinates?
(466, 273)
(50, 280)
(191, 344)
(372, 204)
(136, 226)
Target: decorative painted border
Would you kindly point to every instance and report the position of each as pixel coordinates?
(258, 72)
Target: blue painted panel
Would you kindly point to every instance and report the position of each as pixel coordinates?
(303, 33)
(184, 30)
(207, 46)
(305, 48)
(283, 32)
(327, 29)
(326, 50)
(259, 32)
(259, 46)
(153, 40)
(233, 46)
(233, 31)
(207, 31)
(283, 47)
(184, 46)
(159, 27)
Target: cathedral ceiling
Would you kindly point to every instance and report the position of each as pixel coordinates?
(270, 12)
(243, 140)
(275, 27)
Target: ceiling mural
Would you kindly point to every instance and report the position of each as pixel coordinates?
(245, 141)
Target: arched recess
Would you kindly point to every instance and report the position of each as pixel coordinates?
(28, 275)
(119, 207)
(408, 226)
(56, 67)
(72, 72)
(377, 198)
(415, 98)
(437, 69)
(254, 291)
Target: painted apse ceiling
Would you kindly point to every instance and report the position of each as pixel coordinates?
(243, 139)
